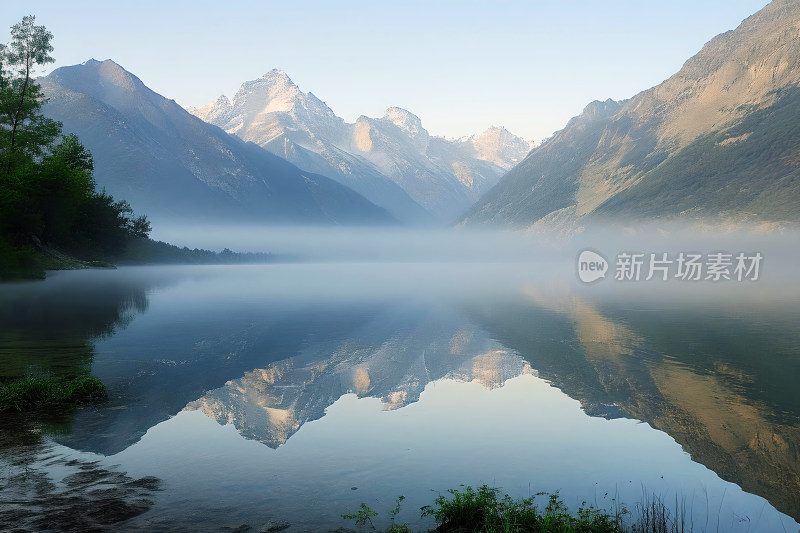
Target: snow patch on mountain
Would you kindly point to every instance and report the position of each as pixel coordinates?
(443, 176)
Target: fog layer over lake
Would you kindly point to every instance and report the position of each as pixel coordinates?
(371, 364)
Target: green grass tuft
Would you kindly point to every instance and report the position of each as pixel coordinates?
(31, 393)
(484, 510)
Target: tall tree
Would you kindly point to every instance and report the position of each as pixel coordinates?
(25, 133)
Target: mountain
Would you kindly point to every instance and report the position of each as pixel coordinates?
(168, 164)
(717, 141)
(392, 160)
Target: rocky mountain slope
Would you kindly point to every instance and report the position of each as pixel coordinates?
(170, 165)
(717, 141)
(393, 161)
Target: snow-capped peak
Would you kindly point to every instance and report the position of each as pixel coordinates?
(214, 111)
(500, 146)
(405, 120)
(274, 91)
(277, 76)
(222, 101)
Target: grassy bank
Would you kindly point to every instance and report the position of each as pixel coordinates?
(35, 393)
(31, 262)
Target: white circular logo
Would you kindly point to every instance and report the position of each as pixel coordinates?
(591, 266)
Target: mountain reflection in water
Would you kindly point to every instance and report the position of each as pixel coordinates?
(393, 356)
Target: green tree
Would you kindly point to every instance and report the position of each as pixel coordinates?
(26, 133)
(59, 191)
(47, 190)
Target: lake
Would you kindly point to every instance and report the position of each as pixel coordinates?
(280, 396)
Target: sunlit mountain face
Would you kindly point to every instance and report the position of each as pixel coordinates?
(392, 160)
(714, 143)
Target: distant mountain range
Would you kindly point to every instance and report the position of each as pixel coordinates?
(718, 141)
(170, 165)
(393, 161)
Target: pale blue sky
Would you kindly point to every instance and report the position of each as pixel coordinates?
(460, 65)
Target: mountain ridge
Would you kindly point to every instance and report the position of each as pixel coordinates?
(676, 150)
(170, 165)
(391, 160)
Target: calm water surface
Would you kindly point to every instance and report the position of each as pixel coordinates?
(282, 395)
